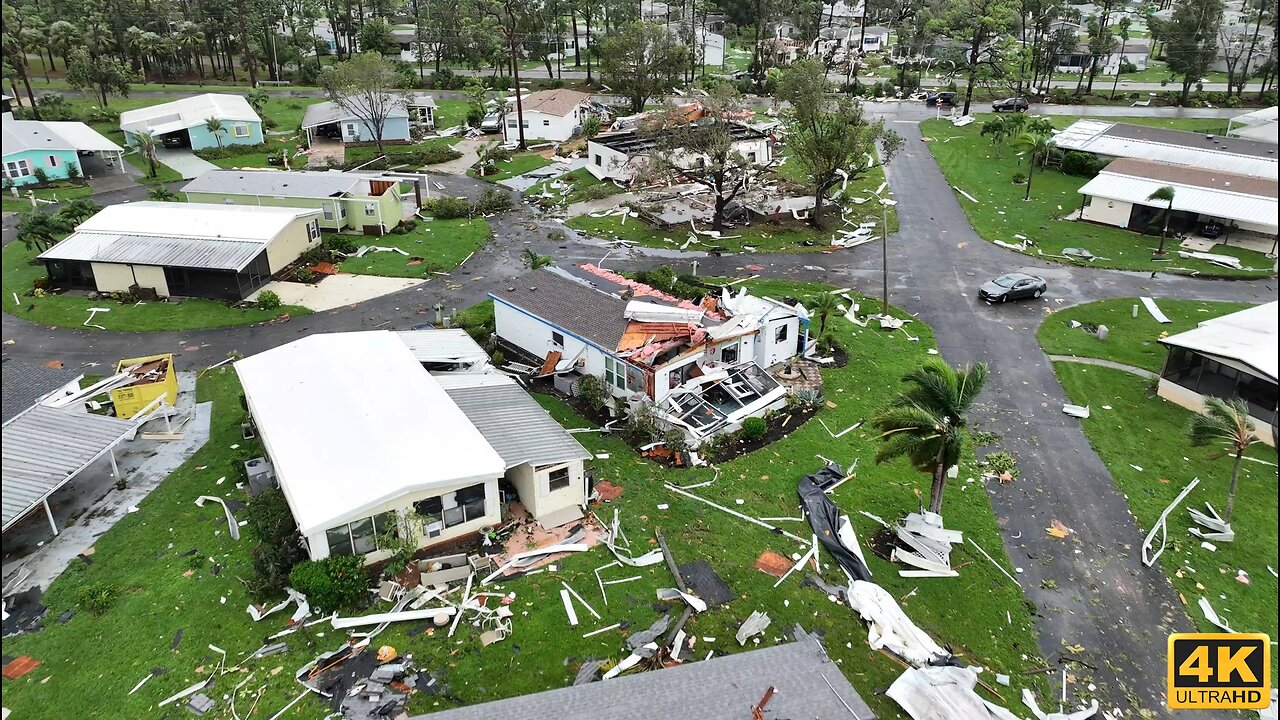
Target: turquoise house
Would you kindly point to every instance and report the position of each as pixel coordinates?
(53, 147)
(184, 123)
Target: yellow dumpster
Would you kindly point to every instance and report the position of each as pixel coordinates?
(155, 376)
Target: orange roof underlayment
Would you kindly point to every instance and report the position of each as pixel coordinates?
(644, 290)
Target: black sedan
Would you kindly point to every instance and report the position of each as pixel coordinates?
(1013, 286)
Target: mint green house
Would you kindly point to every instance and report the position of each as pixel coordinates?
(370, 204)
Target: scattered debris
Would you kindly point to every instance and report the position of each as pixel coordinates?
(928, 546)
(232, 526)
(833, 530)
(292, 596)
(888, 627)
(1154, 310)
(1076, 411)
(1219, 530)
(20, 666)
(993, 562)
(754, 625)
(772, 563)
(1149, 558)
(944, 693)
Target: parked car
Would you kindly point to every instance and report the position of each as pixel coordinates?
(173, 141)
(1017, 104)
(1211, 230)
(1012, 286)
(491, 123)
(941, 98)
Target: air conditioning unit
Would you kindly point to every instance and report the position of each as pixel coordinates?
(261, 475)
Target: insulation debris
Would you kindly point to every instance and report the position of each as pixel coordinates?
(752, 626)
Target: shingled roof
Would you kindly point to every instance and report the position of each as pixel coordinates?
(26, 384)
(568, 304)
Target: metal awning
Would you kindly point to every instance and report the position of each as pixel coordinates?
(46, 447)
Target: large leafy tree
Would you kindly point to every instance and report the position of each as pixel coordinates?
(641, 60)
(835, 144)
(368, 87)
(1191, 40)
(103, 76)
(977, 23)
(926, 422)
(17, 37)
(1225, 423)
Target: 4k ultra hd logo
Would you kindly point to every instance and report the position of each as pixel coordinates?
(1219, 671)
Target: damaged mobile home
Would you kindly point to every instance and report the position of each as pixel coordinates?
(704, 368)
(361, 435)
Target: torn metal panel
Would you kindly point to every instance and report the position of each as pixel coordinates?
(232, 526)
(944, 693)
(674, 595)
(390, 617)
(890, 628)
(1148, 557)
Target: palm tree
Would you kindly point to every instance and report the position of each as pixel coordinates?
(257, 99)
(38, 231)
(1225, 422)
(214, 126)
(487, 157)
(533, 260)
(823, 307)
(925, 423)
(189, 39)
(1038, 144)
(147, 147)
(161, 193)
(63, 37)
(1164, 194)
(74, 212)
(998, 128)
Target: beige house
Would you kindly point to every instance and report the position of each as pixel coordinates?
(182, 249)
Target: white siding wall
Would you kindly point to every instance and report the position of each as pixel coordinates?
(770, 352)
(533, 336)
(291, 242)
(1194, 402)
(541, 126)
(1107, 212)
(612, 164)
(549, 501)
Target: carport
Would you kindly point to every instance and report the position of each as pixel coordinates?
(87, 140)
(45, 448)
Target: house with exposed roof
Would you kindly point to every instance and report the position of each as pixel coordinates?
(204, 250)
(348, 202)
(183, 123)
(1233, 356)
(1176, 147)
(553, 115)
(793, 679)
(346, 122)
(704, 368)
(53, 147)
(621, 155)
(1120, 195)
(364, 440)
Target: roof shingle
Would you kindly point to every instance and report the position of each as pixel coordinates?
(593, 315)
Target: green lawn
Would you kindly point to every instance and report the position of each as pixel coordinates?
(517, 165)
(259, 160)
(1150, 432)
(143, 556)
(450, 113)
(1130, 340)
(60, 194)
(792, 236)
(863, 187)
(367, 153)
(71, 310)
(441, 244)
(582, 185)
(969, 162)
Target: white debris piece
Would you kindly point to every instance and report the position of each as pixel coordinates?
(888, 627)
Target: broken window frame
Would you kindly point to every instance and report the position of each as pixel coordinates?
(559, 479)
(781, 333)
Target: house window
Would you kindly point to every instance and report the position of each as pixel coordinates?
(370, 209)
(17, 168)
(313, 229)
(557, 339)
(751, 157)
(599, 161)
(729, 354)
(558, 479)
(546, 123)
(615, 373)
(342, 211)
(328, 212)
(780, 334)
(361, 537)
(53, 161)
(431, 510)
(512, 123)
(240, 130)
(470, 506)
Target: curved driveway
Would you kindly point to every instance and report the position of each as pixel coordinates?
(1105, 601)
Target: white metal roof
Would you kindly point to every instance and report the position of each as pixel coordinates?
(323, 113)
(20, 135)
(1213, 202)
(45, 447)
(1264, 115)
(351, 421)
(443, 346)
(188, 112)
(83, 137)
(512, 422)
(276, 183)
(202, 253)
(1248, 337)
(199, 220)
(1102, 138)
(1262, 132)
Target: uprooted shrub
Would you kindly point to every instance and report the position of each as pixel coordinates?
(339, 582)
(447, 208)
(491, 201)
(98, 597)
(279, 548)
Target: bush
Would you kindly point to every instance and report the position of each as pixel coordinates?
(591, 126)
(492, 201)
(73, 171)
(317, 254)
(1001, 462)
(341, 244)
(229, 151)
(1081, 163)
(447, 208)
(598, 192)
(336, 583)
(446, 79)
(436, 154)
(270, 521)
(499, 358)
(642, 426)
(754, 428)
(268, 300)
(98, 597)
(592, 390)
(40, 175)
(306, 275)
